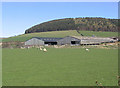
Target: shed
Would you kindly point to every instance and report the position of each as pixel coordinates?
(49, 40)
(93, 40)
(42, 41)
(34, 41)
(68, 40)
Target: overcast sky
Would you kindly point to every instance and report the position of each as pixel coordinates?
(19, 16)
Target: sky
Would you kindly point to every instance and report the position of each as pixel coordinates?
(19, 16)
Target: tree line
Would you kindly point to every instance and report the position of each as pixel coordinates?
(87, 23)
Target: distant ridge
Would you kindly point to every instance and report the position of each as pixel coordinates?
(87, 23)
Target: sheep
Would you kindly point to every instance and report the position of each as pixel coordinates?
(22, 47)
(28, 47)
(45, 50)
(87, 49)
(40, 48)
(55, 46)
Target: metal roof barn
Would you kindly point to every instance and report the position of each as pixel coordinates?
(34, 41)
(75, 40)
(48, 39)
(94, 40)
(69, 40)
(42, 41)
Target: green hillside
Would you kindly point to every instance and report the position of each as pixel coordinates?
(88, 23)
(25, 37)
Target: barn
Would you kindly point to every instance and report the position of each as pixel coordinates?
(42, 41)
(34, 41)
(94, 40)
(70, 40)
(52, 41)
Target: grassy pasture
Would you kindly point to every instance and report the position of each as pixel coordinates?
(25, 37)
(60, 67)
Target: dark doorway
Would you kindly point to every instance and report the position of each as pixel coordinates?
(51, 43)
(75, 42)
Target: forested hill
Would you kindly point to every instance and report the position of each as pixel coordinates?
(89, 24)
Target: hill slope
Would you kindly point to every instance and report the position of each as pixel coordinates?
(90, 24)
(25, 37)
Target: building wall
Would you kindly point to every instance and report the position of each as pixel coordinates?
(96, 41)
(34, 41)
(67, 40)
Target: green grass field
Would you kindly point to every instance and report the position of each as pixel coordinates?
(25, 37)
(60, 67)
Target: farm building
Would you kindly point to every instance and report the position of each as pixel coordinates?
(52, 41)
(69, 40)
(74, 40)
(42, 41)
(94, 40)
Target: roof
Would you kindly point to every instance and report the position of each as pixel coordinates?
(91, 38)
(82, 38)
(48, 39)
